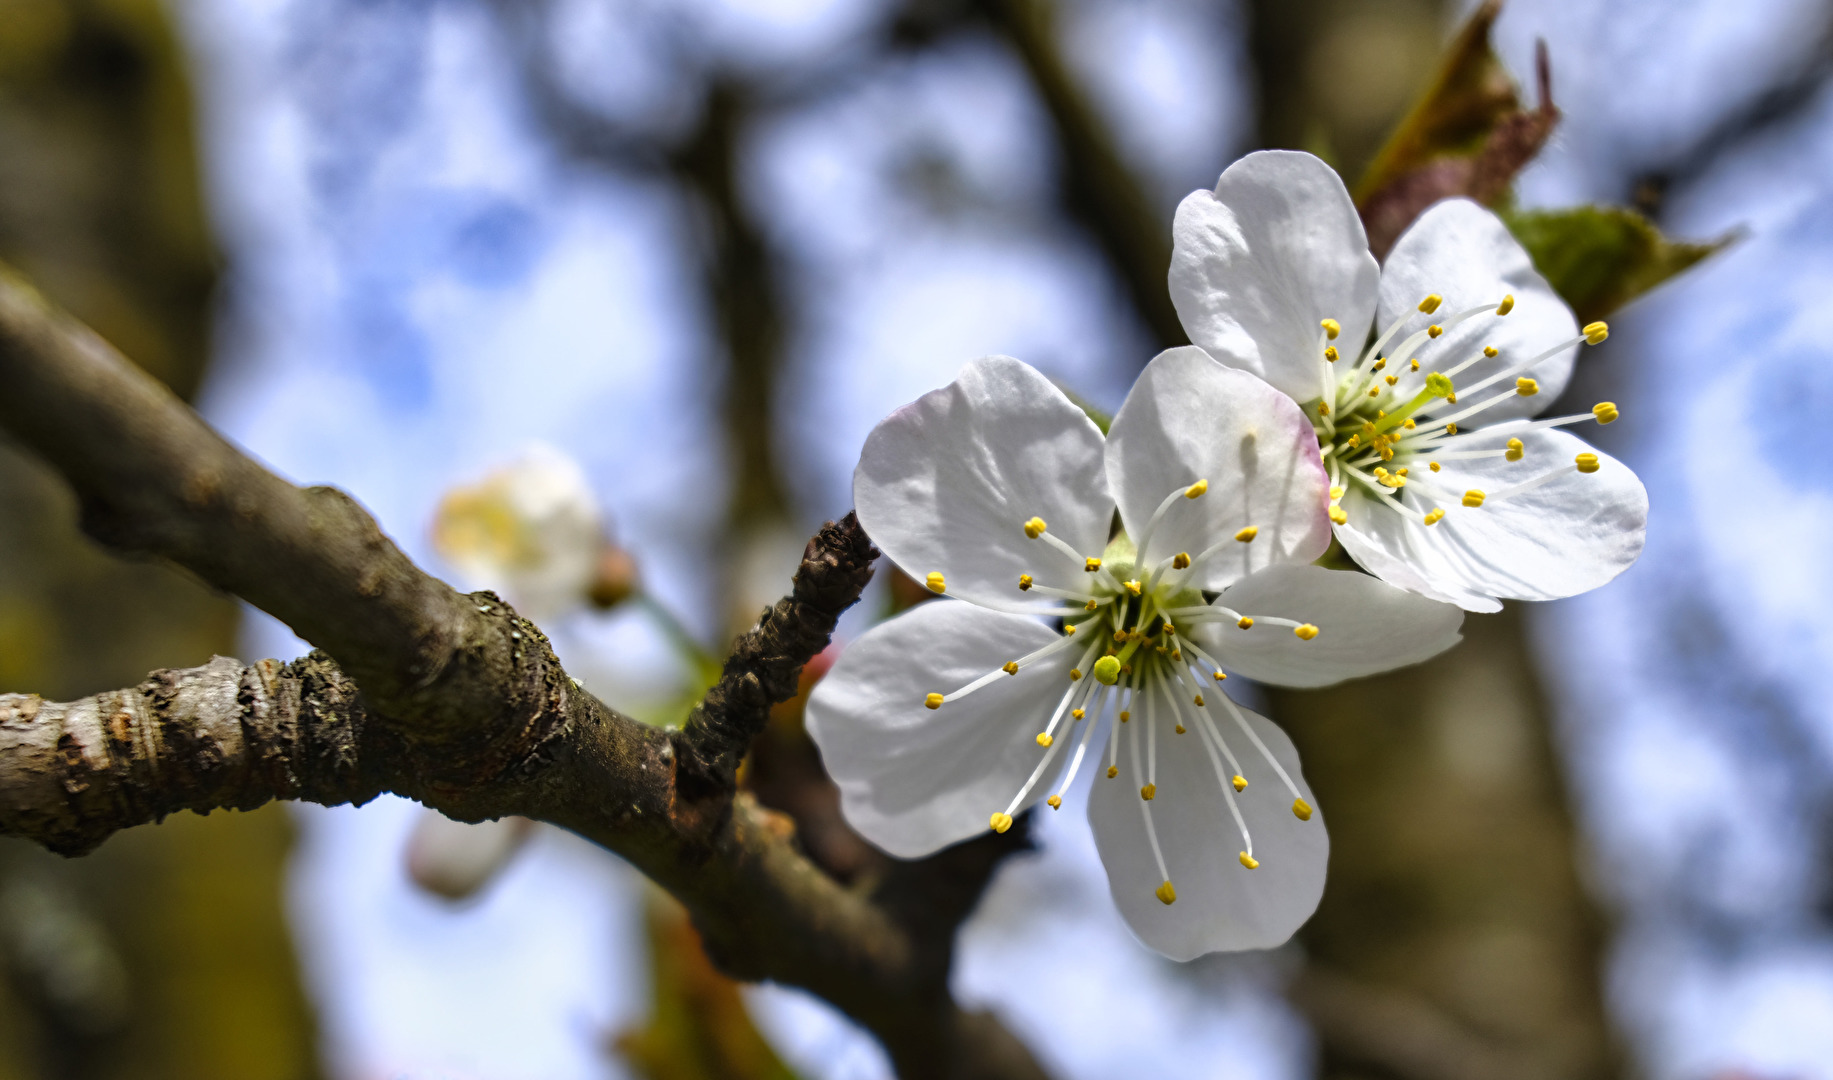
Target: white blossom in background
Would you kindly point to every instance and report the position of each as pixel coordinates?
(531, 530)
(455, 859)
(1439, 481)
(999, 493)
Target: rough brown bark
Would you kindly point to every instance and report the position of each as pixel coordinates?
(463, 704)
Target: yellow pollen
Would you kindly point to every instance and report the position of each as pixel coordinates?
(1133, 587)
(1435, 515)
(1246, 622)
(1305, 631)
(1392, 379)
(1374, 391)
(1452, 398)
(935, 582)
(1605, 411)
(1402, 471)
(1196, 490)
(1091, 605)
(1515, 450)
(1587, 463)
(1249, 861)
(1240, 782)
(1220, 674)
(1043, 739)
(1409, 423)
(1338, 515)
(1148, 792)
(1595, 333)
(1323, 408)
(1170, 630)
(1024, 583)
(1490, 351)
(1387, 453)
(1526, 387)
(1330, 353)
(1092, 565)
(1433, 465)
(1176, 655)
(1055, 801)
(1507, 305)
(1331, 328)
(1125, 716)
(1000, 822)
(1434, 330)
(1075, 674)
(1336, 491)
(1247, 534)
(1035, 528)
(1473, 498)
(1413, 365)
(1166, 893)
(1112, 772)
(1379, 364)
(932, 701)
(1199, 699)
(1180, 561)
(1431, 303)
(1068, 630)
(1451, 429)
(1078, 713)
(1301, 809)
(1179, 729)
(1353, 440)
(1107, 673)
(1011, 667)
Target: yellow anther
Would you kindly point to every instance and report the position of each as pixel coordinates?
(1387, 453)
(1107, 673)
(1402, 471)
(1011, 667)
(1434, 330)
(1330, 353)
(1431, 303)
(1336, 491)
(1119, 635)
(1170, 630)
(1301, 809)
(1245, 622)
(1433, 465)
(1220, 674)
(1473, 498)
(1353, 440)
(1000, 822)
(1305, 631)
(1323, 408)
(932, 701)
(1176, 655)
(1408, 424)
(1133, 587)
(1374, 391)
(1240, 782)
(1247, 534)
(1148, 792)
(1166, 893)
(1391, 379)
(1054, 802)
(1338, 515)
(1043, 739)
(1587, 463)
(1413, 365)
(1451, 429)
(1091, 605)
(1112, 772)
(1595, 333)
(1379, 364)
(1526, 387)
(1092, 565)
(1180, 561)
(1179, 729)
(1331, 328)
(1069, 630)
(1490, 351)
(1024, 583)
(1125, 716)
(1199, 699)
(1507, 305)
(1035, 528)
(1078, 713)
(1075, 674)
(1515, 450)
(1435, 515)
(1249, 861)
(1605, 411)
(935, 582)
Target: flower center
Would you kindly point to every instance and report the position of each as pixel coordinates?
(1386, 423)
(1128, 627)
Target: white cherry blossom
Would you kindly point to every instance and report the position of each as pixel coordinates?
(1440, 481)
(956, 716)
(531, 530)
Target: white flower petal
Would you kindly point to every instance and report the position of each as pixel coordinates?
(1560, 539)
(912, 779)
(1221, 904)
(946, 483)
(1260, 261)
(1189, 418)
(1364, 626)
(1465, 254)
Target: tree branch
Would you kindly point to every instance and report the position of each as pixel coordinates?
(462, 703)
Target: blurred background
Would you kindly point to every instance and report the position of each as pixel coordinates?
(674, 258)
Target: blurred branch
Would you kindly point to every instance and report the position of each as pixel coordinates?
(462, 704)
